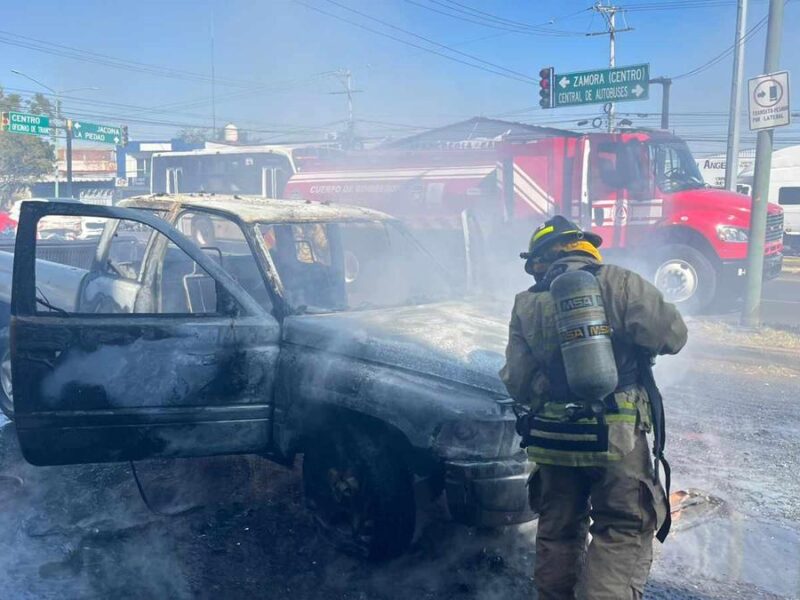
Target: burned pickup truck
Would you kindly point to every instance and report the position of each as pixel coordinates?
(211, 325)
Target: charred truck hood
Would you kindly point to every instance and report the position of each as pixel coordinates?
(453, 341)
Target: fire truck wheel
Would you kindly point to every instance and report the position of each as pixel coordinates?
(685, 277)
(361, 494)
(6, 392)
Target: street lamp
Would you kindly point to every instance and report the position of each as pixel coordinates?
(57, 94)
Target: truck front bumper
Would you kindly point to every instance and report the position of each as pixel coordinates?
(734, 274)
(489, 493)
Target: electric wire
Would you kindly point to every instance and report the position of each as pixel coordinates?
(430, 41)
(526, 29)
(527, 80)
(727, 52)
(465, 9)
(12, 39)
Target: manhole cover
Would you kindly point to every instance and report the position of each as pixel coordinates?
(10, 485)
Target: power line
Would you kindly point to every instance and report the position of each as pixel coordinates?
(491, 16)
(677, 5)
(12, 39)
(133, 119)
(509, 26)
(430, 41)
(524, 79)
(725, 53)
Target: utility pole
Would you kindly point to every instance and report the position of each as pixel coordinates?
(67, 127)
(732, 153)
(213, 82)
(346, 77)
(68, 130)
(609, 14)
(665, 83)
(751, 314)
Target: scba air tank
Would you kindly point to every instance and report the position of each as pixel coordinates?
(585, 335)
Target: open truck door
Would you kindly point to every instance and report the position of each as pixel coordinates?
(143, 356)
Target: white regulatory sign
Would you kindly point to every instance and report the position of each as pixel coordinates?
(769, 101)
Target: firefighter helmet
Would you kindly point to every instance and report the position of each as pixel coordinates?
(557, 229)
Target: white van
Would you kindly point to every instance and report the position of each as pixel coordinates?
(784, 189)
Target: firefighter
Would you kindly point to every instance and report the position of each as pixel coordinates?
(614, 485)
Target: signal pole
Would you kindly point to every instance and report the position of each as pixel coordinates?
(732, 154)
(609, 14)
(751, 313)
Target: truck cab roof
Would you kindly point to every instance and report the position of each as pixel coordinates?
(252, 209)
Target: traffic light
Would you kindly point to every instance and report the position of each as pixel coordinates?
(546, 87)
(4, 122)
(124, 135)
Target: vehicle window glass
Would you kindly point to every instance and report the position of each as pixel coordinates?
(68, 240)
(126, 250)
(69, 279)
(675, 169)
(789, 196)
(604, 180)
(311, 243)
(225, 242)
(351, 266)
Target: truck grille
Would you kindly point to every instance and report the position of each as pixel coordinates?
(774, 227)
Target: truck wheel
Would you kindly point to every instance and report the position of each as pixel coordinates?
(361, 494)
(685, 277)
(6, 392)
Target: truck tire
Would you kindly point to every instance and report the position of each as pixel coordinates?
(361, 494)
(6, 392)
(685, 277)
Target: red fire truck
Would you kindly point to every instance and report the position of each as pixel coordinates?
(639, 189)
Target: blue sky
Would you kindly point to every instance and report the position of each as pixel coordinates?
(274, 58)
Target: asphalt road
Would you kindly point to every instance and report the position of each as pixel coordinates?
(780, 300)
(781, 297)
(236, 527)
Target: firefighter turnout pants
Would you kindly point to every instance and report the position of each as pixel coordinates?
(625, 509)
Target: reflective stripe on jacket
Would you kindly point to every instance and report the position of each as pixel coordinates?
(639, 318)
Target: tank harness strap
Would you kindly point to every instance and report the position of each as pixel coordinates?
(659, 436)
(585, 439)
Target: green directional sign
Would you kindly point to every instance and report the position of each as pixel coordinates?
(17, 122)
(92, 132)
(620, 84)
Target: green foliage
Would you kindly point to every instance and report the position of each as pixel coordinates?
(24, 158)
(195, 135)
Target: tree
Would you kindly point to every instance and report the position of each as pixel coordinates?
(195, 135)
(23, 158)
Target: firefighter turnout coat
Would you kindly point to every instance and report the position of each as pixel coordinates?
(641, 321)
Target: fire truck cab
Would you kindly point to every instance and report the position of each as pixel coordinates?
(639, 189)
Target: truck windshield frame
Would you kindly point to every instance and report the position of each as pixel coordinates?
(342, 266)
(673, 167)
